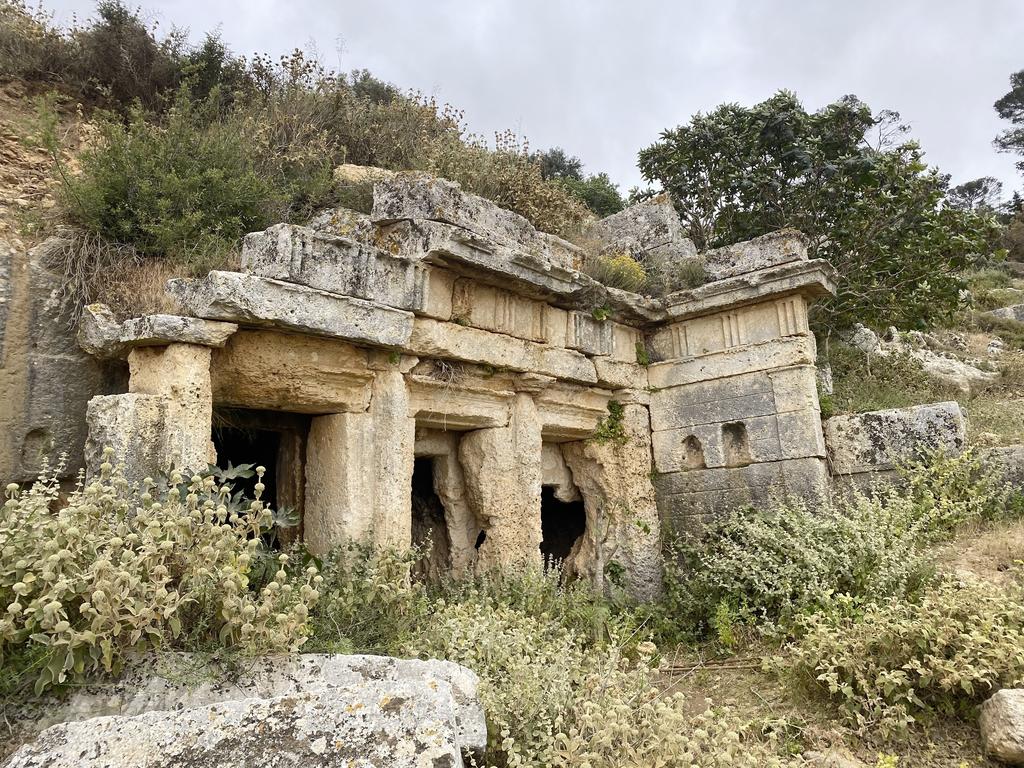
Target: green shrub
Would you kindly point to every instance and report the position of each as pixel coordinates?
(767, 566)
(114, 571)
(618, 271)
(868, 382)
(553, 699)
(31, 47)
(894, 663)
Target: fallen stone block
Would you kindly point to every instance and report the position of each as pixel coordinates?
(1002, 726)
(371, 723)
(650, 232)
(259, 301)
(880, 440)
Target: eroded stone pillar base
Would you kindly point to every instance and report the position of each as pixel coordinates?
(502, 468)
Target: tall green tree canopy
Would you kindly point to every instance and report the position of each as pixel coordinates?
(849, 179)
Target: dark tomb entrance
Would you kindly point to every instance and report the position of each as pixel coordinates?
(561, 525)
(273, 440)
(429, 526)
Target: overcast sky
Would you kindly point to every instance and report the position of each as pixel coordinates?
(602, 78)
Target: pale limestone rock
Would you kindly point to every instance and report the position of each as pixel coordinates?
(503, 475)
(556, 474)
(349, 173)
(441, 403)
(345, 222)
(431, 338)
(337, 264)
(650, 232)
(769, 250)
(622, 514)
(99, 332)
(879, 440)
(394, 435)
(1015, 312)
(286, 372)
(252, 300)
(589, 335)
(1002, 726)
(181, 374)
(375, 723)
(499, 311)
(419, 196)
(134, 426)
(569, 411)
(620, 375)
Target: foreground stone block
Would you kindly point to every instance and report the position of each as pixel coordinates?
(370, 723)
(252, 300)
(157, 684)
(880, 440)
(134, 426)
(1002, 726)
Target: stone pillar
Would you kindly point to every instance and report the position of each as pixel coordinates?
(502, 468)
(620, 502)
(180, 373)
(359, 472)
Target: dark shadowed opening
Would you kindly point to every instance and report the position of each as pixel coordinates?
(428, 523)
(561, 524)
(273, 440)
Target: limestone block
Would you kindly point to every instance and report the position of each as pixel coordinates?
(556, 323)
(1002, 726)
(336, 264)
(503, 475)
(555, 473)
(7, 255)
(99, 332)
(154, 684)
(339, 481)
(619, 375)
(285, 372)
(810, 279)
(713, 402)
(1015, 312)
(493, 309)
(589, 335)
(879, 440)
(154, 330)
(441, 404)
(766, 251)
(181, 373)
(431, 338)
(768, 355)
(134, 426)
(344, 222)
(252, 300)
(394, 440)
(419, 196)
(1007, 462)
(625, 343)
(684, 498)
(650, 231)
(404, 724)
(570, 412)
(622, 514)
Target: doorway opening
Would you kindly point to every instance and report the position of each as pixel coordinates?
(429, 526)
(273, 440)
(561, 524)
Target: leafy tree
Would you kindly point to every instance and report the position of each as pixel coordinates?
(848, 179)
(981, 194)
(598, 193)
(1011, 107)
(555, 163)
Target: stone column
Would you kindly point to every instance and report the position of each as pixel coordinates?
(502, 468)
(180, 373)
(359, 471)
(619, 498)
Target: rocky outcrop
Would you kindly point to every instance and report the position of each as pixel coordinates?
(1014, 312)
(1002, 726)
(880, 440)
(650, 232)
(313, 709)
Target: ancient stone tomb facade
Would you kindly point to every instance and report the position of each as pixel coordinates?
(440, 370)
